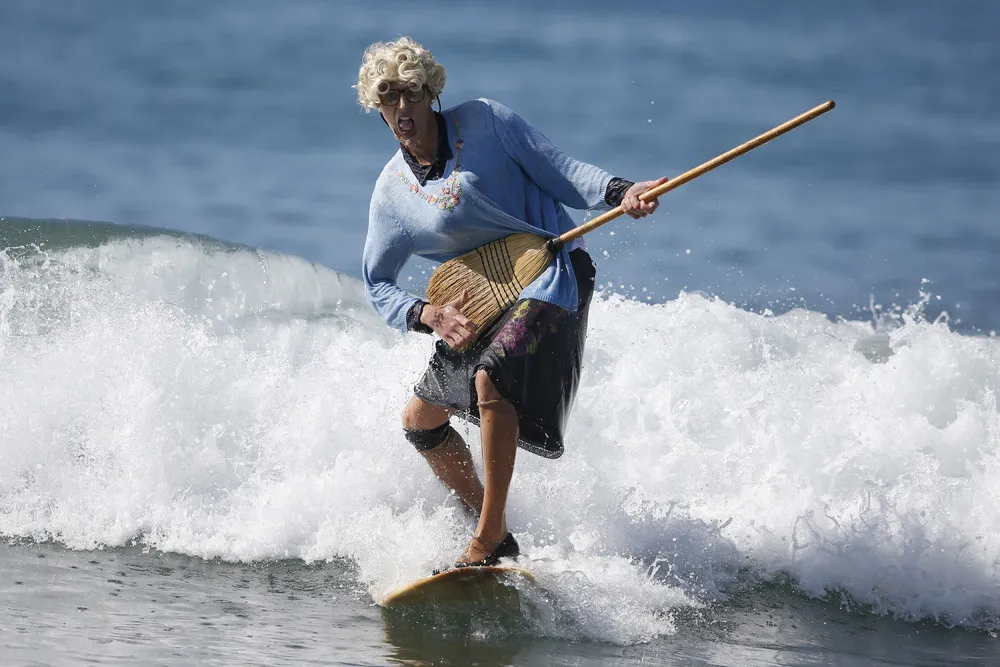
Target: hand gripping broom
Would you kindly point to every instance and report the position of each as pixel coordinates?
(495, 274)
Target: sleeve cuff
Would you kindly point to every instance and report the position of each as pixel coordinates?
(413, 322)
(616, 190)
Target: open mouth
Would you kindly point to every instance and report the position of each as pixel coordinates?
(406, 126)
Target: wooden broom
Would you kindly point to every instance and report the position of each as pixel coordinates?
(495, 274)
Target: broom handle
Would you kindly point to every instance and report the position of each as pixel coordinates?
(591, 225)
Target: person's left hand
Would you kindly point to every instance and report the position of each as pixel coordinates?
(635, 207)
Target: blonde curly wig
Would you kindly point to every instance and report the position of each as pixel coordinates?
(404, 61)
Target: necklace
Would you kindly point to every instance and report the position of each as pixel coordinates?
(448, 196)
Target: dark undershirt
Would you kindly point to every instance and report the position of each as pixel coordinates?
(431, 172)
(617, 187)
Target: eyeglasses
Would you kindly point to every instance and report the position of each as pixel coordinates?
(389, 97)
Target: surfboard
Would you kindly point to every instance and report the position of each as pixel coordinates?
(462, 584)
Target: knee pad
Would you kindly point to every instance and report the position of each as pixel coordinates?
(429, 439)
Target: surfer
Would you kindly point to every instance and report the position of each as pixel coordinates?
(464, 177)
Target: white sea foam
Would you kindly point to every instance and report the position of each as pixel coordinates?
(223, 402)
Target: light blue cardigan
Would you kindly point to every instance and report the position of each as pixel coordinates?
(504, 177)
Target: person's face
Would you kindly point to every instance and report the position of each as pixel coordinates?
(406, 110)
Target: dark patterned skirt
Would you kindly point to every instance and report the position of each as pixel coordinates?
(533, 355)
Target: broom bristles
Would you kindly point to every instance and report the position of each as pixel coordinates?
(493, 274)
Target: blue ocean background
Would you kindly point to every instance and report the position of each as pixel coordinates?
(237, 120)
(789, 418)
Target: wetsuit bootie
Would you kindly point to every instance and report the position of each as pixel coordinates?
(508, 548)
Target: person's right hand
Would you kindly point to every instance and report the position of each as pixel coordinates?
(450, 323)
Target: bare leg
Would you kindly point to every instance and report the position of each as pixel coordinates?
(498, 424)
(451, 461)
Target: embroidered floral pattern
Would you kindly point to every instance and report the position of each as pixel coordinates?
(449, 195)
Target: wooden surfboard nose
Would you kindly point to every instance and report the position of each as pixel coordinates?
(463, 584)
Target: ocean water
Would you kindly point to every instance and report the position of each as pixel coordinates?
(786, 444)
